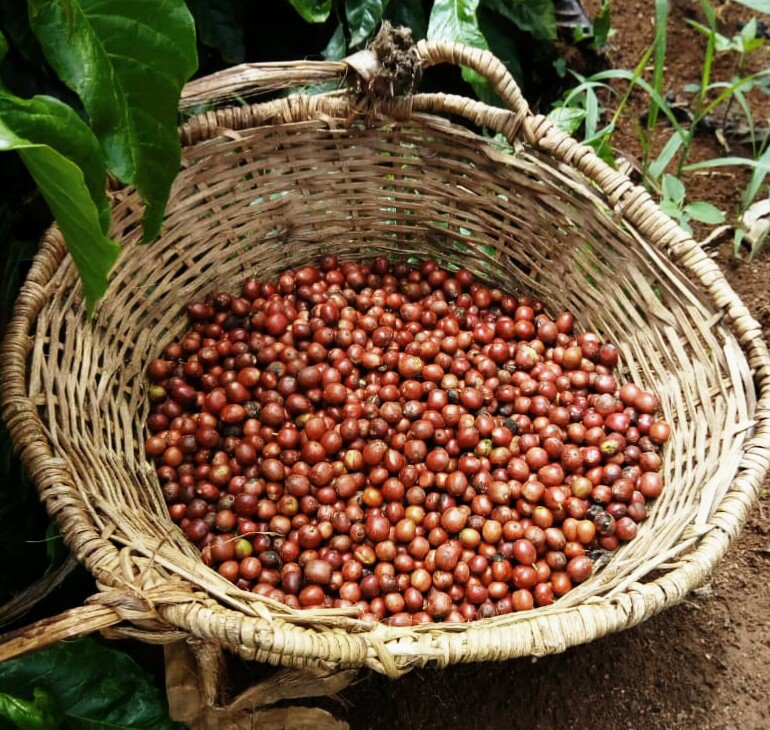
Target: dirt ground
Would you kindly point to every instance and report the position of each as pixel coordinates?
(703, 664)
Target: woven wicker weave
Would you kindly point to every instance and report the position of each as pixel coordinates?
(276, 184)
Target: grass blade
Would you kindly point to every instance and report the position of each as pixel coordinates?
(661, 21)
(592, 113)
(658, 166)
(740, 97)
(709, 57)
(635, 80)
(757, 177)
(763, 163)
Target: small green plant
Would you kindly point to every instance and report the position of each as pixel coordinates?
(580, 108)
(673, 204)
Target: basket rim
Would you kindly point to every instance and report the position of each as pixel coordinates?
(383, 648)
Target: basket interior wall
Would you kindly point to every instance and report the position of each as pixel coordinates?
(256, 201)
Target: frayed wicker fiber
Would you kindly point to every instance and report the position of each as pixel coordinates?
(280, 183)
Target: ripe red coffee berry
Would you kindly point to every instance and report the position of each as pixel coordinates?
(399, 438)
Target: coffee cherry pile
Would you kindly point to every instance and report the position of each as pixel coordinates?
(399, 439)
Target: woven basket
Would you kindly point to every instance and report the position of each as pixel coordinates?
(281, 183)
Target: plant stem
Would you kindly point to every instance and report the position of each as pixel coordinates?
(738, 69)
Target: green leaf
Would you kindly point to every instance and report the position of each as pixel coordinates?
(738, 237)
(671, 209)
(63, 187)
(635, 80)
(501, 42)
(761, 6)
(220, 25)
(666, 155)
(26, 125)
(336, 48)
(45, 120)
(749, 31)
(673, 189)
(313, 11)
(567, 118)
(752, 45)
(661, 21)
(3, 46)
(602, 25)
(592, 113)
(763, 163)
(457, 20)
(128, 62)
(40, 713)
(603, 148)
(363, 17)
(95, 686)
(704, 213)
(721, 42)
(16, 26)
(743, 102)
(757, 177)
(409, 13)
(533, 16)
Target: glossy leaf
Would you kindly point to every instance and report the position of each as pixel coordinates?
(45, 120)
(457, 20)
(313, 11)
(16, 25)
(62, 185)
(409, 13)
(128, 62)
(501, 42)
(39, 713)
(336, 48)
(95, 686)
(28, 126)
(220, 25)
(363, 17)
(533, 16)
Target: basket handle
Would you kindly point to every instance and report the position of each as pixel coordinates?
(249, 79)
(70, 624)
(483, 62)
